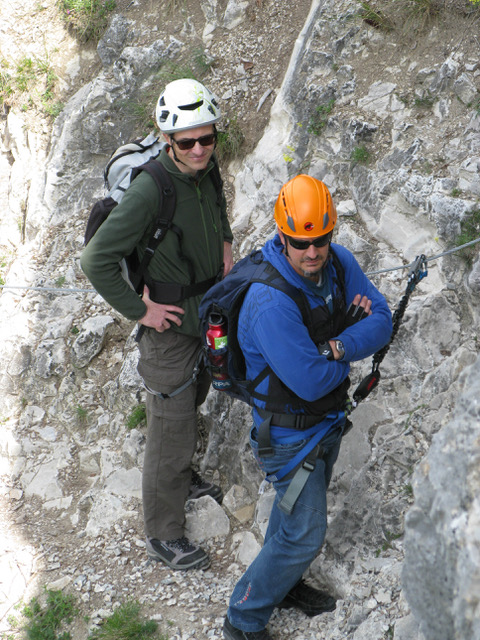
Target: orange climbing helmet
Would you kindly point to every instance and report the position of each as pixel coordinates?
(304, 208)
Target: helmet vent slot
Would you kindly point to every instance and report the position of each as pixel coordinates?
(191, 107)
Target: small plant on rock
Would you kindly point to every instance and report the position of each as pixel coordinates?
(203, 62)
(375, 17)
(470, 230)
(86, 18)
(126, 623)
(421, 10)
(230, 140)
(425, 102)
(319, 119)
(360, 155)
(389, 538)
(6, 88)
(82, 414)
(25, 74)
(48, 621)
(31, 82)
(137, 416)
(171, 71)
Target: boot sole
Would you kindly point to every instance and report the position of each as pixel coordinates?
(218, 498)
(310, 614)
(197, 564)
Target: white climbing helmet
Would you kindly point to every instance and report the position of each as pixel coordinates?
(186, 104)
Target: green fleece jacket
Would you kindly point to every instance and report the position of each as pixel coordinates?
(204, 225)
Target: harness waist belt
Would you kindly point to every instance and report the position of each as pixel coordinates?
(170, 292)
(290, 420)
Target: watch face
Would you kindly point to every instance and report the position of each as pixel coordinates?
(340, 347)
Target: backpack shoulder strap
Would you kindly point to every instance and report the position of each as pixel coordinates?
(340, 273)
(166, 210)
(269, 275)
(217, 180)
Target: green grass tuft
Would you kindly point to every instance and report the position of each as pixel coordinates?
(360, 155)
(87, 19)
(126, 624)
(375, 17)
(47, 622)
(319, 119)
(137, 416)
(230, 140)
(470, 230)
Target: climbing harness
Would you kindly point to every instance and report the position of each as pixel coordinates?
(197, 368)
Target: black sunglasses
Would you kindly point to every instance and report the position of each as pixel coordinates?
(189, 143)
(301, 245)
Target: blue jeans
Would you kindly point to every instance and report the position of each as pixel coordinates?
(291, 541)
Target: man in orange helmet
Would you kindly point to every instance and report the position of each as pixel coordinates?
(300, 369)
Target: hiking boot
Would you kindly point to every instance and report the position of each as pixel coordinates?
(232, 633)
(308, 599)
(178, 554)
(200, 487)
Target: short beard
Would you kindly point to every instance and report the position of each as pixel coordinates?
(311, 274)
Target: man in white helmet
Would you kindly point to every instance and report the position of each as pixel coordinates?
(199, 249)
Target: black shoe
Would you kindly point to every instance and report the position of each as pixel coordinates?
(308, 599)
(232, 633)
(178, 554)
(200, 487)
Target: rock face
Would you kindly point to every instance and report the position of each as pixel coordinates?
(394, 131)
(441, 573)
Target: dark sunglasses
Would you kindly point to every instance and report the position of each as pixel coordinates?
(301, 245)
(189, 143)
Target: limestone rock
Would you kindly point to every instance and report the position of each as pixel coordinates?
(442, 540)
(90, 340)
(205, 519)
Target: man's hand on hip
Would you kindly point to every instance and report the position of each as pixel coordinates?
(159, 316)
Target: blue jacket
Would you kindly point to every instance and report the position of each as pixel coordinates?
(271, 330)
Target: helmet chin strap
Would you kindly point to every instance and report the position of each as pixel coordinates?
(176, 158)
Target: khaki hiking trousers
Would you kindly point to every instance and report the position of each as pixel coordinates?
(166, 361)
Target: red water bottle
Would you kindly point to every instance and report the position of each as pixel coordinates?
(216, 339)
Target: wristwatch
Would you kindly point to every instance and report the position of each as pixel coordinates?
(340, 348)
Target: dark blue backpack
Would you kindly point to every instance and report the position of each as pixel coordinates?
(225, 299)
